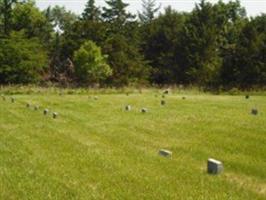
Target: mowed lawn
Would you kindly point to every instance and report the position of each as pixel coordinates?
(97, 150)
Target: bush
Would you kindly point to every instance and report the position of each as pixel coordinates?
(90, 64)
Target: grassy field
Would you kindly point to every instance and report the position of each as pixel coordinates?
(97, 150)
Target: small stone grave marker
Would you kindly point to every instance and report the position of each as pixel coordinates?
(46, 111)
(144, 110)
(166, 92)
(165, 153)
(254, 111)
(55, 115)
(128, 108)
(214, 166)
(163, 102)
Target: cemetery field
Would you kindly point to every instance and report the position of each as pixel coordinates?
(95, 149)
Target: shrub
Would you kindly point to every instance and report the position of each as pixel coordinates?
(90, 64)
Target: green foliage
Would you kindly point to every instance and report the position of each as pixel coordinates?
(214, 46)
(91, 12)
(246, 65)
(27, 17)
(90, 64)
(149, 9)
(22, 60)
(127, 63)
(160, 44)
(116, 15)
(61, 18)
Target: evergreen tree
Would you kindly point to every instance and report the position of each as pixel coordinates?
(199, 45)
(160, 42)
(91, 11)
(149, 9)
(116, 13)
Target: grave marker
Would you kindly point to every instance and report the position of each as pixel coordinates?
(214, 166)
(55, 115)
(166, 92)
(166, 153)
(128, 108)
(46, 111)
(254, 111)
(144, 110)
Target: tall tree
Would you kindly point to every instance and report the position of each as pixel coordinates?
(27, 17)
(122, 44)
(200, 45)
(6, 12)
(149, 9)
(116, 13)
(160, 41)
(19, 62)
(91, 12)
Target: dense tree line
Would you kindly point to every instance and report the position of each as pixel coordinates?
(215, 45)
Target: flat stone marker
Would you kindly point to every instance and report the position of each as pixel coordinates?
(55, 115)
(163, 102)
(214, 166)
(144, 110)
(46, 111)
(166, 92)
(128, 108)
(254, 111)
(165, 153)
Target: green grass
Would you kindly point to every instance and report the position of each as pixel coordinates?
(96, 150)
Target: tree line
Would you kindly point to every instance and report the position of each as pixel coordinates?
(213, 46)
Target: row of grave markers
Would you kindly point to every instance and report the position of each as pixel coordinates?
(36, 107)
